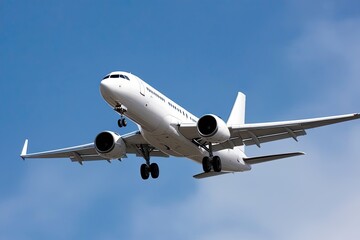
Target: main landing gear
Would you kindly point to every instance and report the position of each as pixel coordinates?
(121, 110)
(148, 169)
(213, 162)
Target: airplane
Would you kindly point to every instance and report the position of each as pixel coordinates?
(166, 129)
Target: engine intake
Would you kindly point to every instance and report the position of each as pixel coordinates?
(213, 129)
(110, 145)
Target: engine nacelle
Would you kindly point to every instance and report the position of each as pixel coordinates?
(213, 129)
(110, 145)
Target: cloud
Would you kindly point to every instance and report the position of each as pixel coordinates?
(328, 52)
(49, 202)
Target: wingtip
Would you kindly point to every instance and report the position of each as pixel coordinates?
(24, 150)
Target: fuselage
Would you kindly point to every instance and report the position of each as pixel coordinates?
(158, 118)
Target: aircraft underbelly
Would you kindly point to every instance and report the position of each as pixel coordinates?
(173, 144)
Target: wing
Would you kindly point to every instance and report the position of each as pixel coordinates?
(256, 134)
(134, 142)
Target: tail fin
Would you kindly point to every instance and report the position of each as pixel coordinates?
(237, 115)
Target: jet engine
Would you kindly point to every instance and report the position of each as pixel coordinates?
(110, 145)
(213, 129)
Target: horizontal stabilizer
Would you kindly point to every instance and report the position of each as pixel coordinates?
(261, 159)
(209, 174)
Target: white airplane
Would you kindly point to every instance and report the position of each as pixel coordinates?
(167, 129)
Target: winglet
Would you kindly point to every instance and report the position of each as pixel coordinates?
(24, 150)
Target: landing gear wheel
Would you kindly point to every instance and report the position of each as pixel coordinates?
(144, 171)
(206, 164)
(216, 162)
(120, 123)
(154, 169)
(123, 122)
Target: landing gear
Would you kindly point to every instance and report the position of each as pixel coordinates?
(122, 122)
(144, 171)
(206, 164)
(154, 170)
(148, 169)
(214, 163)
(121, 110)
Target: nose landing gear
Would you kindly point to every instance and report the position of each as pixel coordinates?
(122, 122)
(121, 110)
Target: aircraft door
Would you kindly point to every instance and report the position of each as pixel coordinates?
(141, 86)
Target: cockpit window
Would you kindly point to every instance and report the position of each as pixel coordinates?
(124, 77)
(117, 76)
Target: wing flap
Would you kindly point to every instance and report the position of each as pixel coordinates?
(250, 140)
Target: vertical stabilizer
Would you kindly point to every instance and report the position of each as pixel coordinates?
(237, 115)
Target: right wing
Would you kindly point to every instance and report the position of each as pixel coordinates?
(255, 134)
(258, 133)
(134, 141)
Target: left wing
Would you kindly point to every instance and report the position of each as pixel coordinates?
(87, 152)
(258, 133)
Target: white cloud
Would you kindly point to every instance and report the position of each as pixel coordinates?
(48, 202)
(329, 51)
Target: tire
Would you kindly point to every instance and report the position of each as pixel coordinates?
(144, 171)
(123, 122)
(119, 123)
(206, 164)
(154, 169)
(216, 162)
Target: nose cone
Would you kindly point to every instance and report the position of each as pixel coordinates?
(106, 87)
(107, 90)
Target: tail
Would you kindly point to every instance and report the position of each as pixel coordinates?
(237, 115)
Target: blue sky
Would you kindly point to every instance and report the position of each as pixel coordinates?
(293, 59)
